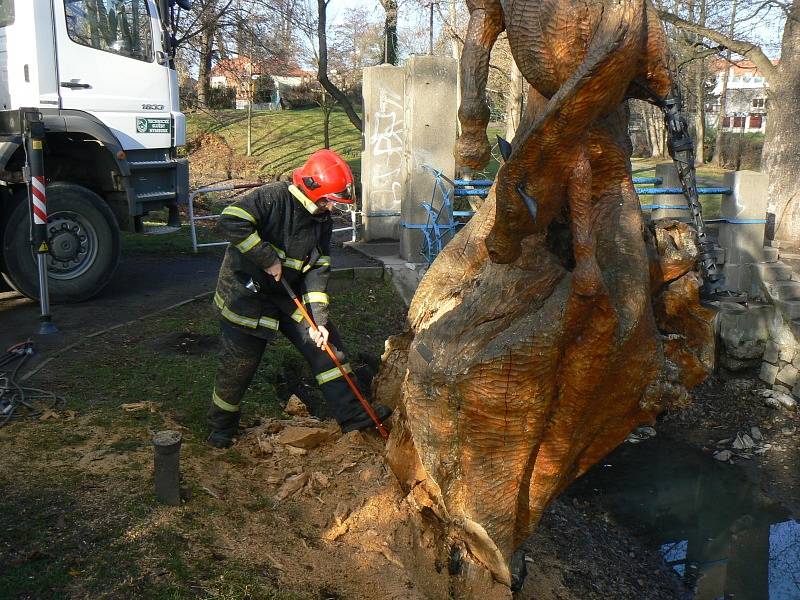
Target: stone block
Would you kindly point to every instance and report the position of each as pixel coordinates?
(788, 352)
(782, 290)
(787, 376)
(780, 329)
(739, 325)
(749, 197)
(770, 254)
(768, 373)
(743, 243)
(430, 118)
(796, 361)
(669, 175)
(769, 272)
(796, 391)
(789, 308)
(781, 388)
(383, 160)
(738, 278)
(771, 352)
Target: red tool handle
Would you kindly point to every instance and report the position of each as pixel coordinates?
(327, 348)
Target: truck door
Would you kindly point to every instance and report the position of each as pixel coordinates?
(111, 64)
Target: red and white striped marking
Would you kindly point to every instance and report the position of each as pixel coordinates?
(39, 201)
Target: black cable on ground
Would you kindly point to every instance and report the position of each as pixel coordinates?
(18, 401)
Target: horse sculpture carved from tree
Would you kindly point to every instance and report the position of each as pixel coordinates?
(555, 321)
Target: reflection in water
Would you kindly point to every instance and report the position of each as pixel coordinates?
(724, 538)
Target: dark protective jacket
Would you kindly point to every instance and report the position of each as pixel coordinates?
(271, 223)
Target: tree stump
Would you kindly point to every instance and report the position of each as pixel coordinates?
(537, 342)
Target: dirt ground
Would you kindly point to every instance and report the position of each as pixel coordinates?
(271, 519)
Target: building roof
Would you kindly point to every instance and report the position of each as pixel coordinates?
(241, 67)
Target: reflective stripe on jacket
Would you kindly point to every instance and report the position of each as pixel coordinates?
(267, 225)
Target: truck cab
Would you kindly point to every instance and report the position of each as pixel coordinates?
(101, 75)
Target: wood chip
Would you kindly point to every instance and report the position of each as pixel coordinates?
(291, 486)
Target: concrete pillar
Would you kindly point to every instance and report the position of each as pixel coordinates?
(669, 174)
(430, 92)
(743, 242)
(383, 160)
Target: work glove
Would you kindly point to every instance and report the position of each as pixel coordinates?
(275, 269)
(319, 336)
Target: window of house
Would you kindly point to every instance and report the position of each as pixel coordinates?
(117, 26)
(726, 121)
(755, 121)
(738, 121)
(6, 13)
(759, 102)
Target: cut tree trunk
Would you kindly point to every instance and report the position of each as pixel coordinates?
(537, 342)
(782, 144)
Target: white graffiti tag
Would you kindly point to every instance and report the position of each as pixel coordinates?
(386, 145)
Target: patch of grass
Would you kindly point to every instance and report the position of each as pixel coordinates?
(170, 244)
(707, 176)
(282, 140)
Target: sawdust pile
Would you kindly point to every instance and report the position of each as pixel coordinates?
(334, 519)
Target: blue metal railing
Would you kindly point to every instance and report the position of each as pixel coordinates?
(442, 222)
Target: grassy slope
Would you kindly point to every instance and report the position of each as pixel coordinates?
(281, 139)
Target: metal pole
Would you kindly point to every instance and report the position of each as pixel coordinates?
(37, 192)
(430, 33)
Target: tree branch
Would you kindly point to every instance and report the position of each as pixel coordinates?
(322, 68)
(747, 49)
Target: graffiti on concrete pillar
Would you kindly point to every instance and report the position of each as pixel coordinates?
(386, 145)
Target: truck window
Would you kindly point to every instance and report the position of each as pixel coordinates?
(6, 12)
(118, 26)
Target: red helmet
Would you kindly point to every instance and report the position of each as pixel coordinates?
(325, 176)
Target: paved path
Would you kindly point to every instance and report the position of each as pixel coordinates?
(143, 284)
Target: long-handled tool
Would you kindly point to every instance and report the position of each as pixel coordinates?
(327, 348)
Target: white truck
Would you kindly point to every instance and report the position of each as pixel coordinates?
(101, 74)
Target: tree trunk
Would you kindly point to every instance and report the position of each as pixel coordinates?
(322, 67)
(554, 322)
(390, 32)
(782, 144)
(700, 113)
(204, 74)
(723, 107)
(656, 132)
(723, 101)
(514, 101)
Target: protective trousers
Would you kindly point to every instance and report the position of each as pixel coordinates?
(240, 355)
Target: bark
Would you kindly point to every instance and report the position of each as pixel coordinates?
(723, 101)
(390, 32)
(204, 73)
(782, 143)
(322, 68)
(537, 342)
(700, 97)
(515, 98)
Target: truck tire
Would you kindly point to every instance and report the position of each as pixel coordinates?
(84, 241)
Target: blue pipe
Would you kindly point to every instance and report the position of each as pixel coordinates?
(678, 191)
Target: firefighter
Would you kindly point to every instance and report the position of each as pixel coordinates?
(281, 230)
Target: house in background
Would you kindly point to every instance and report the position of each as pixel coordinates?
(746, 98)
(242, 74)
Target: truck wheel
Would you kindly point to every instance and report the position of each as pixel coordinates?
(84, 241)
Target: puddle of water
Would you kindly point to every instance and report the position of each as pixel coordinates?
(713, 527)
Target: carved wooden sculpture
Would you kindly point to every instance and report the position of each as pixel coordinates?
(555, 321)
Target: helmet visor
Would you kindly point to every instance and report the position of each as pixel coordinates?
(345, 196)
